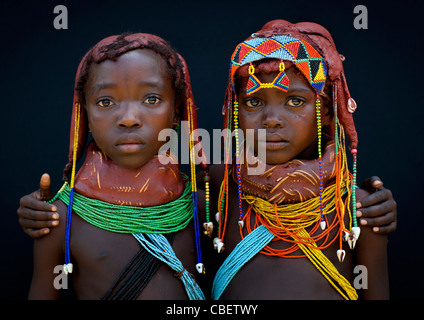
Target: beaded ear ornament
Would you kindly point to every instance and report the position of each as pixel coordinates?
(314, 68)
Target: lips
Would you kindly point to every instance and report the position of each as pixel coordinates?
(274, 142)
(130, 144)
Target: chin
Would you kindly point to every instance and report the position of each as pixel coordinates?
(131, 164)
(273, 160)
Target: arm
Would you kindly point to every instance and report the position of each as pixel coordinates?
(48, 254)
(371, 263)
(35, 215)
(378, 209)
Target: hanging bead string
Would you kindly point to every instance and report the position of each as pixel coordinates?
(199, 266)
(158, 246)
(222, 214)
(68, 267)
(336, 120)
(208, 225)
(238, 174)
(223, 206)
(354, 154)
(318, 111)
(136, 275)
(241, 254)
(340, 162)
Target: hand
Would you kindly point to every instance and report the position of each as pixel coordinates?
(35, 215)
(379, 209)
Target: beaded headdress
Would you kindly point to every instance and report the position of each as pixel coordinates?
(312, 51)
(302, 54)
(185, 108)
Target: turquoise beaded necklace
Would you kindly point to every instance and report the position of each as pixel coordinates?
(242, 253)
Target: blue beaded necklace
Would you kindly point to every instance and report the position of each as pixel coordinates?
(242, 253)
(159, 247)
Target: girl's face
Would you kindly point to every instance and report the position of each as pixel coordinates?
(289, 118)
(129, 101)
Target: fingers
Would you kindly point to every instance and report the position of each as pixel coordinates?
(382, 195)
(31, 202)
(37, 224)
(36, 216)
(381, 217)
(370, 184)
(41, 215)
(36, 233)
(385, 229)
(45, 190)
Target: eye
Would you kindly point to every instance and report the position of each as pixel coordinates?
(295, 102)
(253, 103)
(105, 103)
(152, 100)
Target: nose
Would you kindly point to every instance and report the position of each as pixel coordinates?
(129, 116)
(273, 117)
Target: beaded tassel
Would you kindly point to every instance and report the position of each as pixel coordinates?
(355, 230)
(199, 266)
(158, 246)
(208, 225)
(341, 254)
(240, 219)
(68, 267)
(318, 110)
(221, 215)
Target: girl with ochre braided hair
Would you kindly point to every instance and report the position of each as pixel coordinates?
(129, 221)
(291, 231)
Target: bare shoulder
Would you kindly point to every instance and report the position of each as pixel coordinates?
(371, 255)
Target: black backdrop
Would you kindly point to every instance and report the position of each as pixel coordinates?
(38, 64)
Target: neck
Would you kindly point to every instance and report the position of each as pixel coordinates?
(150, 185)
(290, 182)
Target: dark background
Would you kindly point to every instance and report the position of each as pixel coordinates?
(38, 63)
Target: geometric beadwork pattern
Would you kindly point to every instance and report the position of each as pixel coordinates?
(301, 53)
(281, 82)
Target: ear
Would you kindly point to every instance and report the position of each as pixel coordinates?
(326, 115)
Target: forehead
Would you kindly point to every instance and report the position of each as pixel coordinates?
(139, 65)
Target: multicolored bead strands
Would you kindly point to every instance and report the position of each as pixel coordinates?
(199, 266)
(68, 267)
(355, 230)
(319, 125)
(239, 187)
(208, 225)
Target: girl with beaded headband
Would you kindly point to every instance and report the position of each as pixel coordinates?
(304, 196)
(125, 186)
